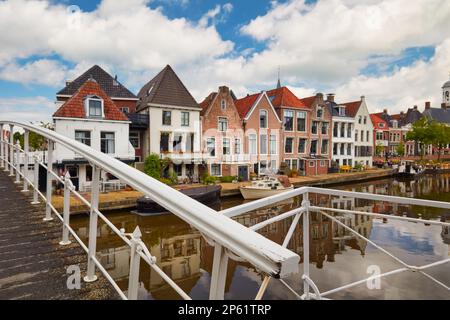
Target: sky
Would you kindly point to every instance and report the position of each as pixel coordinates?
(394, 52)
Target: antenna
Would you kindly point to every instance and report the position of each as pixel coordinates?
(279, 81)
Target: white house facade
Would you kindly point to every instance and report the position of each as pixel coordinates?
(363, 135)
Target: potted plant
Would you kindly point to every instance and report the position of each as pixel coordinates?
(294, 173)
(253, 176)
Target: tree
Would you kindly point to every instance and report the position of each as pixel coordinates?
(152, 166)
(379, 148)
(441, 136)
(401, 149)
(36, 142)
(421, 134)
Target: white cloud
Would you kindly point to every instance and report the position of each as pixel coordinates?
(319, 47)
(44, 71)
(27, 109)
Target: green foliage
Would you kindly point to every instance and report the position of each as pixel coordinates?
(166, 181)
(209, 180)
(36, 142)
(173, 177)
(379, 149)
(358, 167)
(401, 149)
(152, 166)
(227, 179)
(429, 132)
(285, 170)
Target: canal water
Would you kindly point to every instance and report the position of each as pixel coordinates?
(337, 256)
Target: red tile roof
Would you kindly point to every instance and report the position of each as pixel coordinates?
(207, 102)
(376, 120)
(244, 105)
(396, 116)
(308, 101)
(352, 107)
(74, 107)
(283, 97)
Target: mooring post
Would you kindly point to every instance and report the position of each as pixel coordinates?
(17, 162)
(48, 209)
(66, 216)
(135, 261)
(36, 180)
(11, 150)
(91, 277)
(306, 204)
(219, 273)
(26, 150)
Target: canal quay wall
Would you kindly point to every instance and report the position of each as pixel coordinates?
(121, 200)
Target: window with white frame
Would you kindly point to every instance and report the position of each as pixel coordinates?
(313, 149)
(301, 121)
(94, 106)
(177, 142)
(302, 145)
(252, 144)
(237, 146)
(211, 146)
(342, 111)
(324, 148)
(288, 120)
(185, 119)
(223, 124)
(216, 170)
(289, 145)
(83, 137)
(273, 144)
(135, 139)
(125, 109)
(107, 142)
(226, 147)
(223, 104)
(263, 119)
(319, 112)
(263, 144)
(167, 118)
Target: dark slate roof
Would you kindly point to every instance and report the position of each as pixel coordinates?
(333, 109)
(166, 89)
(109, 85)
(438, 114)
(411, 116)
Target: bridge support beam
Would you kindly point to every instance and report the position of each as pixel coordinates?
(91, 277)
(219, 273)
(17, 162)
(36, 180)
(135, 261)
(26, 149)
(48, 209)
(306, 205)
(11, 150)
(66, 216)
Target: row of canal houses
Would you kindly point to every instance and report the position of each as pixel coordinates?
(223, 135)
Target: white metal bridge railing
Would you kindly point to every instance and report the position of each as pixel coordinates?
(230, 239)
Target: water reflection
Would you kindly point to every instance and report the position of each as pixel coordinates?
(339, 257)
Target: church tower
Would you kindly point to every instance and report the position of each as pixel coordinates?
(446, 94)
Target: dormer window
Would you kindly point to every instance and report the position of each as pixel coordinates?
(381, 125)
(319, 112)
(94, 106)
(342, 111)
(395, 124)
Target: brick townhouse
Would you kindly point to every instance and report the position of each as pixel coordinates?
(223, 135)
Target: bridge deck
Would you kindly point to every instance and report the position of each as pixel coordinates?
(32, 263)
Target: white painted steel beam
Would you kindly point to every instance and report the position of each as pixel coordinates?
(266, 255)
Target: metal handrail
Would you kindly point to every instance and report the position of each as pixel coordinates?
(228, 236)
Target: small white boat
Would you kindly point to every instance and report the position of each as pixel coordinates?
(408, 168)
(266, 187)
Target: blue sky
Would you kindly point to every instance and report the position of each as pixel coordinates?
(347, 47)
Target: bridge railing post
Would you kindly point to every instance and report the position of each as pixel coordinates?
(91, 277)
(135, 260)
(11, 150)
(17, 162)
(306, 217)
(219, 273)
(26, 149)
(48, 209)
(36, 180)
(2, 153)
(66, 215)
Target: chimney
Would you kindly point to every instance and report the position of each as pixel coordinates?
(444, 105)
(427, 105)
(415, 108)
(402, 113)
(224, 89)
(363, 98)
(319, 96)
(68, 82)
(385, 111)
(330, 97)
